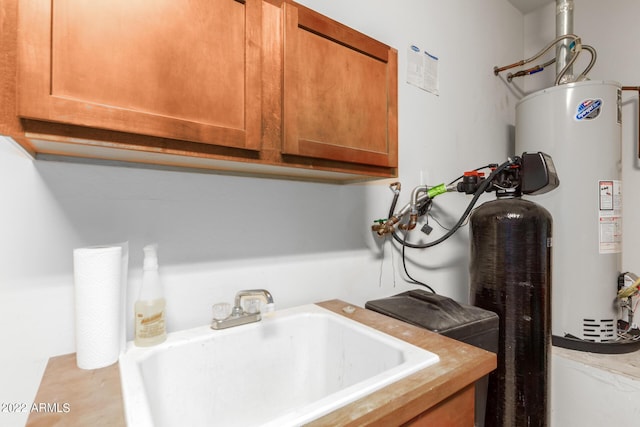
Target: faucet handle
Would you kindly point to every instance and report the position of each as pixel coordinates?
(251, 305)
(257, 305)
(221, 310)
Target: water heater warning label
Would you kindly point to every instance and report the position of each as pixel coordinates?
(589, 109)
(610, 216)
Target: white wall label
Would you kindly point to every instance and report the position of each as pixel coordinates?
(610, 216)
(422, 69)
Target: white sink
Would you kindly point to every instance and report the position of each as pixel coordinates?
(288, 369)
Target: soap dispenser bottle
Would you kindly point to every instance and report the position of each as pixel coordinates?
(150, 307)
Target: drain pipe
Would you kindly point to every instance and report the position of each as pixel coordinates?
(564, 26)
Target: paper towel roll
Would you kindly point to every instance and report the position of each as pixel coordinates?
(98, 275)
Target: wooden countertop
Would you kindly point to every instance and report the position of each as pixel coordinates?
(71, 396)
(77, 397)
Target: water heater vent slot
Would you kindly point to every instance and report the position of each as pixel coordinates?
(598, 330)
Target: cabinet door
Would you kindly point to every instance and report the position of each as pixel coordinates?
(180, 69)
(340, 92)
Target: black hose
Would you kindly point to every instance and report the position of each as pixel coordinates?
(485, 184)
(392, 209)
(404, 265)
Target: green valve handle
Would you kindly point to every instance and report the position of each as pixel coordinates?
(436, 191)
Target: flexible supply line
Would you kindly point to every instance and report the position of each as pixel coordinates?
(529, 71)
(594, 56)
(538, 68)
(419, 195)
(497, 70)
(413, 207)
(577, 48)
(429, 194)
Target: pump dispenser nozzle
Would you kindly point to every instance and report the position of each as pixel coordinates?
(150, 257)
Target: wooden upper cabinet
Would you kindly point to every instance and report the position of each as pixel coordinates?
(340, 92)
(258, 87)
(188, 70)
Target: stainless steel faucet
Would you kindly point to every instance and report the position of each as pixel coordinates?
(238, 314)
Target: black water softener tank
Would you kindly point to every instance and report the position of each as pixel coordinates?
(511, 275)
(462, 322)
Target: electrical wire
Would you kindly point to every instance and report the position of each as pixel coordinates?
(404, 265)
(381, 267)
(393, 266)
(446, 228)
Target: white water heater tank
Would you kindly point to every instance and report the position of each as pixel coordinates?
(579, 126)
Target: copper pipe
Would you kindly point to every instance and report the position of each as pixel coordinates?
(385, 227)
(637, 89)
(413, 220)
(498, 70)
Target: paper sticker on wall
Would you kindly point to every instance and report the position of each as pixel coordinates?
(422, 69)
(610, 216)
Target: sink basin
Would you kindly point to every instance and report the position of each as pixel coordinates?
(290, 368)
